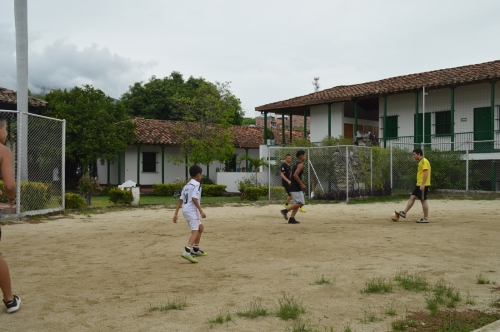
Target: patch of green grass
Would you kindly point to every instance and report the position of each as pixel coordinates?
(378, 199)
(255, 310)
(322, 280)
(347, 327)
(390, 310)
(289, 308)
(469, 300)
(481, 280)
(377, 285)
(177, 304)
(221, 318)
(368, 317)
(495, 302)
(403, 324)
(412, 282)
(300, 326)
(442, 294)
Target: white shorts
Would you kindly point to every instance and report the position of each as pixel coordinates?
(193, 222)
(298, 197)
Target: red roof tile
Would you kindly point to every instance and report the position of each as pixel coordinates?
(9, 97)
(471, 74)
(162, 132)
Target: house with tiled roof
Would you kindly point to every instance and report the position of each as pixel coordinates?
(452, 109)
(8, 101)
(148, 160)
(460, 104)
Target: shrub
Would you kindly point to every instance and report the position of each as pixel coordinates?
(206, 180)
(34, 196)
(74, 201)
(252, 193)
(105, 190)
(213, 190)
(164, 189)
(118, 196)
(278, 192)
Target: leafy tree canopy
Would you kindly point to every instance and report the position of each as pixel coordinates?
(96, 126)
(163, 98)
(248, 121)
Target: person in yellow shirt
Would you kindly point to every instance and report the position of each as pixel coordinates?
(422, 187)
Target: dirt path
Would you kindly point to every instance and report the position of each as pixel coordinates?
(102, 272)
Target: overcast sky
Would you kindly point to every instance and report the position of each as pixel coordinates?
(269, 50)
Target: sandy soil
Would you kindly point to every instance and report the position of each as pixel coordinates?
(103, 272)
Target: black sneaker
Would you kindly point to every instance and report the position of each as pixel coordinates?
(284, 213)
(293, 221)
(400, 213)
(13, 305)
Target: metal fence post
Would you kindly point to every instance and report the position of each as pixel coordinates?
(63, 166)
(390, 161)
(467, 169)
(347, 173)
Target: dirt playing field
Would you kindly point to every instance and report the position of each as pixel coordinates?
(103, 272)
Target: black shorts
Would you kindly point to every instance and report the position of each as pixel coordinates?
(417, 192)
(287, 188)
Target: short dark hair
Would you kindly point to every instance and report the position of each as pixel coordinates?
(419, 152)
(195, 170)
(288, 155)
(300, 153)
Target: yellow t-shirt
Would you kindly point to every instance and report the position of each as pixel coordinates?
(423, 164)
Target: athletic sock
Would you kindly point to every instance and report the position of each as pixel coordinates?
(187, 249)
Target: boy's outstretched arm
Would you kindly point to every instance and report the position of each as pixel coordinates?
(179, 204)
(197, 204)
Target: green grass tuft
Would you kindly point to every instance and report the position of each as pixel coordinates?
(377, 285)
(255, 310)
(322, 281)
(412, 282)
(289, 308)
(176, 304)
(221, 318)
(481, 280)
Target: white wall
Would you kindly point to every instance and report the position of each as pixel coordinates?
(319, 121)
(172, 171)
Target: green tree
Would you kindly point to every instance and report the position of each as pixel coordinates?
(159, 98)
(96, 126)
(248, 121)
(208, 115)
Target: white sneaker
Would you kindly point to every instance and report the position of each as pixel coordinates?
(423, 221)
(189, 257)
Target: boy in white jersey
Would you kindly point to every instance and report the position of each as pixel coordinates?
(190, 201)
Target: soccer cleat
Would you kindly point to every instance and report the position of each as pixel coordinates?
(302, 209)
(189, 257)
(285, 205)
(13, 305)
(199, 253)
(293, 221)
(423, 221)
(400, 213)
(284, 213)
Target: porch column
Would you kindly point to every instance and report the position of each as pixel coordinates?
(356, 118)
(415, 122)
(283, 140)
(452, 115)
(492, 113)
(208, 170)
(265, 128)
(329, 120)
(138, 164)
(246, 160)
(384, 122)
(162, 164)
(119, 169)
(109, 166)
(291, 128)
(305, 122)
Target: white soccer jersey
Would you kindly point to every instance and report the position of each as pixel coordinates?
(191, 190)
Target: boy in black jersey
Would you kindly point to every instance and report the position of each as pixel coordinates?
(296, 188)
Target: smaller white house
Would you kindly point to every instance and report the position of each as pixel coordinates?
(148, 161)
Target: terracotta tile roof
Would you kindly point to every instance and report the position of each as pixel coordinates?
(9, 97)
(465, 75)
(161, 132)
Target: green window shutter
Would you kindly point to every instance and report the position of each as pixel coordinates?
(149, 162)
(391, 130)
(443, 123)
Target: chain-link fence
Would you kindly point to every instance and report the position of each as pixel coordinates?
(38, 149)
(333, 172)
(464, 167)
